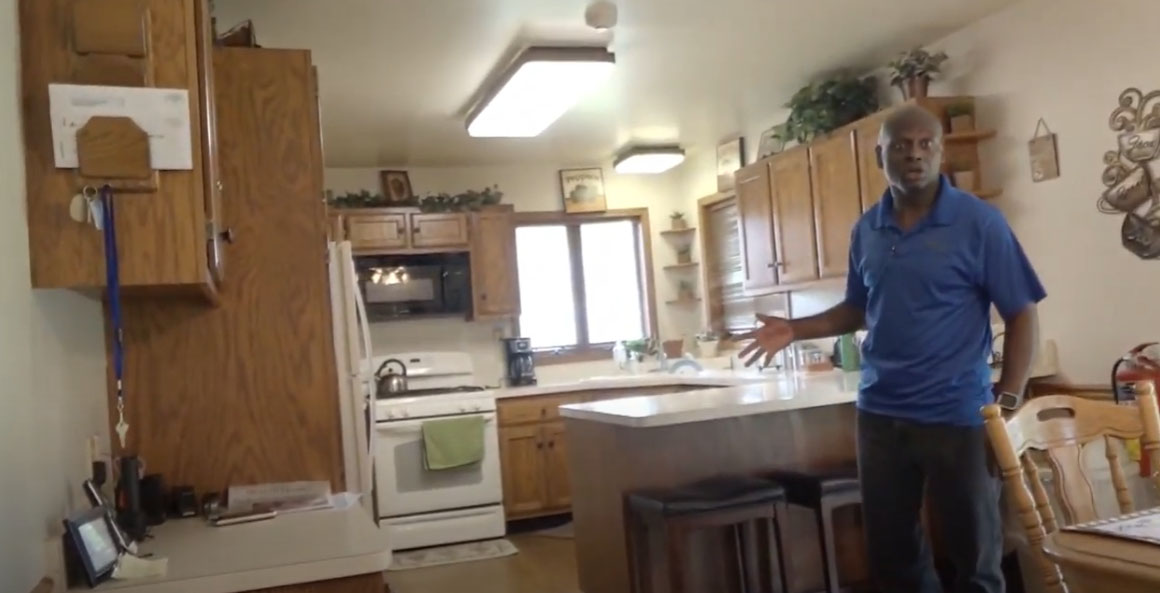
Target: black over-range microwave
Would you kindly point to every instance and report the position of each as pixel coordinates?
(400, 286)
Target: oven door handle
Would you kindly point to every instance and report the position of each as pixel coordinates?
(416, 425)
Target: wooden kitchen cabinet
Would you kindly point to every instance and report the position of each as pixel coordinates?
(523, 461)
(168, 233)
(755, 212)
(376, 232)
(836, 199)
(871, 180)
(793, 214)
(438, 230)
(495, 284)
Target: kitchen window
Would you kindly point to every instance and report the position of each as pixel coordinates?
(584, 282)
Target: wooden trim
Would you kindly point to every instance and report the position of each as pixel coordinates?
(576, 255)
(648, 290)
(1045, 387)
(588, 353)
(556, 217)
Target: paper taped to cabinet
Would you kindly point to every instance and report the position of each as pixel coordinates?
(161, 113)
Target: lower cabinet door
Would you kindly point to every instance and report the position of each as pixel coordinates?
(522, 463)
(556, 459)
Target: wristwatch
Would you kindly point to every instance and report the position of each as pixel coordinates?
(1009, 401)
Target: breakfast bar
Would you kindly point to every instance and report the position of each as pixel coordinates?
(792, 421)
(798, 422)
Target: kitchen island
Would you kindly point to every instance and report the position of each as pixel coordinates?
(800, 421)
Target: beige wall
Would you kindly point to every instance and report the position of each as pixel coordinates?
(529, 188)
(1025, 63)
(52, 366)
(1066, 61)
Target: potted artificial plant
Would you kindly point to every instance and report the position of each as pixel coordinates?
(913, 71)
(685, 254)
(678, 221)
(962, 116)
(824, 106)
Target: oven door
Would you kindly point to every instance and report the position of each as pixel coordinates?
(405, 487)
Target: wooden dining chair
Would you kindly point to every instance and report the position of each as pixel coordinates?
(1061, 427)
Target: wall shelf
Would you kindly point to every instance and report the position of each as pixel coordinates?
(691, 301)
(971, 136)
(679, 232)
(682, 266)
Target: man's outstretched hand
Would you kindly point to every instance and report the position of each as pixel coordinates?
(772, 337)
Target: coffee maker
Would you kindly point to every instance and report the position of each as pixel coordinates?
(521, 367)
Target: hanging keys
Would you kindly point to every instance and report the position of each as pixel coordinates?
(122, 427)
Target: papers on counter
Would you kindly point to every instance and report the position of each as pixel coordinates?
(288, 497)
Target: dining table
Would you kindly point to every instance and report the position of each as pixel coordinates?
(1092, 563)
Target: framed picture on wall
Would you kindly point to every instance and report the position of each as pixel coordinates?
(583, 190)
(396, 187)
(729, 159)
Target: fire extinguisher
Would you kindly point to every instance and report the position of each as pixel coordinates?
(1137, 365)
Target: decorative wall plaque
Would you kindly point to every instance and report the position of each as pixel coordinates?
(1044, 154)
(1132, 173)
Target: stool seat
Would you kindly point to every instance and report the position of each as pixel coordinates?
(706, 496)
(807, 489)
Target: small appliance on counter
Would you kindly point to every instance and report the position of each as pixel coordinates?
(390, 383)
(520, 361)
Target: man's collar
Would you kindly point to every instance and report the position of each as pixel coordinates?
(941, 212)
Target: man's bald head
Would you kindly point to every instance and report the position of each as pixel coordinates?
(909, 116)
(910, 149)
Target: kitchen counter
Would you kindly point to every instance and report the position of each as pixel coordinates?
(757, 395)
(709, 379)
(291, 549)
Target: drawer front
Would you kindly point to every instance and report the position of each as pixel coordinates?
(552, 404)
(542, 408)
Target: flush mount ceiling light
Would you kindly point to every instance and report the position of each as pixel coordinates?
(648, 159)
(539, 86)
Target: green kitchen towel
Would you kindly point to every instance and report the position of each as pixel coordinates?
(452, 442)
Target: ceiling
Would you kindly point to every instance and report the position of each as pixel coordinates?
(397, 76)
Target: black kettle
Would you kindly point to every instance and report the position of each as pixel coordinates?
(391, 383)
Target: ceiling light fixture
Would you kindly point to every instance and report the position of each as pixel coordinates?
(540, 86)
(648, 160)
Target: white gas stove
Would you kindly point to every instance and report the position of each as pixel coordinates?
(419, 507)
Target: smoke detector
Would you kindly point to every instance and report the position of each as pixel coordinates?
(601, 15)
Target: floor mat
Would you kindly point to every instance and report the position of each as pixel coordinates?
(453, 554)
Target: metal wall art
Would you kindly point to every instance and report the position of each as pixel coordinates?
(1132, 173)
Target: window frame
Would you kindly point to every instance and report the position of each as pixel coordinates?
(584, 351)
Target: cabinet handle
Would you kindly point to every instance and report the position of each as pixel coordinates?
(227, 235)
(220, 186)
(543, 412)
(551, 444)
(540, 445)
(777, 264)
(483, 296)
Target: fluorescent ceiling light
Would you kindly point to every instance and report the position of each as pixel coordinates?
(648, 159)
(540, 86)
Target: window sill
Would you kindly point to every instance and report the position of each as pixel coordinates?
(572, 355)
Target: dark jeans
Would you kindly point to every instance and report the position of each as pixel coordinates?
(896, 460)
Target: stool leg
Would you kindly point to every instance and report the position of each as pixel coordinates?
(675, 552)
(779, 562)
(825, 516)
(742, 555)
(641, 559)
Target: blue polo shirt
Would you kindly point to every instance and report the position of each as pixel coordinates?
(927, 294)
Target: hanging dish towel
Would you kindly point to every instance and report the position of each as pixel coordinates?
(453, 442)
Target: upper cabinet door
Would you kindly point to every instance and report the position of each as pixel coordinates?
(871, 179)
(495, 283)
(837, 203)
(376, 231)
(754, 211)
(429, 231)
(793, 216)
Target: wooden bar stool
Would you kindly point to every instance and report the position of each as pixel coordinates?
(823, 493)
(740, 503)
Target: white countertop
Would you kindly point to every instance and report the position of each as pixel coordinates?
(289, 549)
(778, 393)
(629, 381)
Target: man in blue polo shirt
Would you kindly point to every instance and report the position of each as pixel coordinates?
(927, 263)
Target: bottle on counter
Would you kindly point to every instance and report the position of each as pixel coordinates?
(620, 354)
(849, 354)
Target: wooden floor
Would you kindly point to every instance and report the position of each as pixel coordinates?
(544, 565)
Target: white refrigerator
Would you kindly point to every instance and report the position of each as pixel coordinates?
(352, 350)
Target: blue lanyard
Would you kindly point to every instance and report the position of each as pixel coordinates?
(113, 287)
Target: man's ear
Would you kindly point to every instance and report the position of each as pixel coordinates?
(878, 156)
